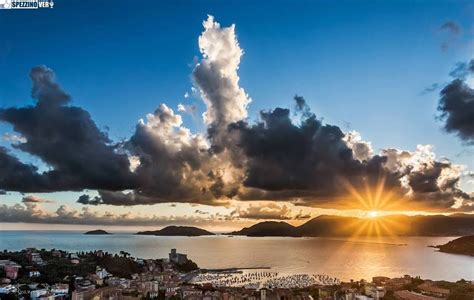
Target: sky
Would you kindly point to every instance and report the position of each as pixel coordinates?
(353, 94)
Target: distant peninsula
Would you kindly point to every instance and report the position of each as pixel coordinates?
(97, 232)
(391, 225)
(177, 231)
(463, 245)
(269, 228)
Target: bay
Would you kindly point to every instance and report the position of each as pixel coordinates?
(356, 259)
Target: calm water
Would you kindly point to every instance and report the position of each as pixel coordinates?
(335, 257)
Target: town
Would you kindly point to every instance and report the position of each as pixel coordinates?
(56, 274)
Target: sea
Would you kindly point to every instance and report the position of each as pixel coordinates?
(345, 259)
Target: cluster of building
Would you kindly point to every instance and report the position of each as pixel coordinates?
(161, 279)
(396, 287)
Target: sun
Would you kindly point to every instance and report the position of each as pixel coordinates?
(373, 214)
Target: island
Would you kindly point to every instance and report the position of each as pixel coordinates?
(177, 231)
(463, 245)
(97, 232)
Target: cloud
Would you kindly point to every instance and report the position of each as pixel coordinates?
(34, 213)
(283, 156)
(17, 176)
(456, 104)
(217, 80)
(190, 109)
(13, 138)
(89, 200)
(453, 30)
(308, 160)
(433, 183)
(66, 139)
(429, 89)
(35, 199)
(302, 216)
(462, 70)
(175, 165)
(317, 165)
(451, 27)
(361, 150)
(268, 211)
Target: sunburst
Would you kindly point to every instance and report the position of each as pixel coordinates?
(373, 214)
(375, 226)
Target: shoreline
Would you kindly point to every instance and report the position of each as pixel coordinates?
(233, 269)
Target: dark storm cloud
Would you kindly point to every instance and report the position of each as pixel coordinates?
(66, 139)
(456, 104)
(302, 107)
(89, 200)
(174, 165)
(17, 176)
(310, 163)
(310, 157)
(162, 166)
(428, 189)
(118, 199)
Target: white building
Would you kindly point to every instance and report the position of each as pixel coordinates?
(34, 274)
(60, 289)
(35, 294)
(102, 273)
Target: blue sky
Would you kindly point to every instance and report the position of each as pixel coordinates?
(360, 65)
(353, 62)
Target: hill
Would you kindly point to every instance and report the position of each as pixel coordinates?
(268, 229)
(463, 245)
(393, 225)
(98, 231)
(177, 231)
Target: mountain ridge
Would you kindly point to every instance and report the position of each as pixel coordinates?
(390, 225)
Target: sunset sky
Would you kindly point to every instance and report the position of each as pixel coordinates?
(225, 113)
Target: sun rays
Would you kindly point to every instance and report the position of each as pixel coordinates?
(375, 227)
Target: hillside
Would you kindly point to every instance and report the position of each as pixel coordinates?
(268, 229)
(463, 245)
(395, 225)
(177, 231)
